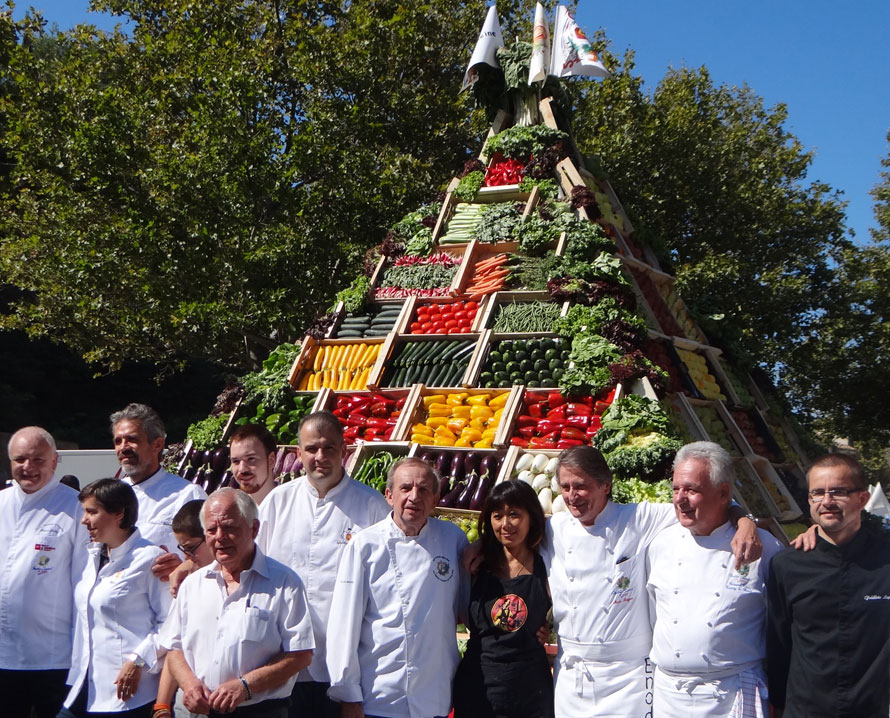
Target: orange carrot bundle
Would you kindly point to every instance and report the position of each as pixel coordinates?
(489, 276)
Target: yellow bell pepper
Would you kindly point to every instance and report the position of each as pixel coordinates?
(466, 443)
(471, 434)
(457, 425)
(421, 429)
(498, 414)
(499, 401)
(434, 422)
(433, 399)
(489, 433)
(457, 398)
(443, 431)
(478, 424)
(422, 439)
(481, 412)
(484, 444)
(461, 412)
(478, 399)
(443, 441)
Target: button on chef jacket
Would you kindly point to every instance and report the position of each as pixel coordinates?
(709, 617)
(391, 643)
(160, 496)
(225, 636)
(120, 608)
(42, 554)
(597, 580)
(308, 533)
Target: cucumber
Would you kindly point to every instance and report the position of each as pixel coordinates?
(466, 352)
(377, 332)
(350, 334)
(399, 378)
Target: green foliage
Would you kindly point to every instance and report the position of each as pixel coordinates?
(469, 185)
(207, 433)
(498, 222)
(632, 490)
(547, 187)
(590, 319)
(355, 296)
(590, 356)
(269, 386)
(520, 143)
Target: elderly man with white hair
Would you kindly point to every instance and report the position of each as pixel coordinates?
(708, 641)
(239, 631)
(42, 554)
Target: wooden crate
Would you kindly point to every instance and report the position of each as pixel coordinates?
(329, 403)
(748, 491)
(394, 343)
(416, 414)
(410, 315)
(447, 209)
(787, 507)
(311, 347)
(340, 315)
(688, 416)
(365, 449)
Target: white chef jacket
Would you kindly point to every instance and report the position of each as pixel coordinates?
(160, 496)
(707, 615)
(308, 534)
(119, 611)
(391, 643)
(598, 585)
(42, 554)
(223, 636)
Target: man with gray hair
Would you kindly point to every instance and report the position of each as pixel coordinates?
(42, 555)
(400, 588)
(139, 436)
(239, 631)
(709, 617)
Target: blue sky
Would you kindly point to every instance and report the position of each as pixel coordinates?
(827, 61)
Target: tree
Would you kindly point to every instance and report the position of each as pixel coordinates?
(214, 178)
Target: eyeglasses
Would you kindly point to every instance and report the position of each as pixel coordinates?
(190, 550)
(816, 495)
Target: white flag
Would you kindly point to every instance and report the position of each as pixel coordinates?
(540, 47)
(490, 39)
(572, 52)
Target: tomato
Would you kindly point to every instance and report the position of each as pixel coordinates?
(451, 323)
(441, 330)
(422, 310)
(471, 315)
(415, 325)
(466, 323)
(426, 327)
(437, 325)
(472, 305)
(460, 315)
(435, 309)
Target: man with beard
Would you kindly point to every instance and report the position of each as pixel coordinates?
(252, 450)
(139, 436)
(828, 625)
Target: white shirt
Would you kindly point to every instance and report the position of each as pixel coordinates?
(225, 636)
(708, 617)
(308, 534)
(42, 554)
(119, 611)
(160, 496)
(598, 579)
(391, 645)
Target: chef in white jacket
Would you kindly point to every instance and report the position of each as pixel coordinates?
(709, 617)
(42, 552)
(400, 587)
(595, 556)
(120, 607)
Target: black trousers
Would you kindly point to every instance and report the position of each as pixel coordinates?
(273, 708)
(309, 699)
(40, 691)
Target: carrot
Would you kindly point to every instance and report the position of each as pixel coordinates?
(486, 287)
(491, 261)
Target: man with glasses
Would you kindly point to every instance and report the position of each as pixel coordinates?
(828, 624)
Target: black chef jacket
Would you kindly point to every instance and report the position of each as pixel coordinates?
(828, 629)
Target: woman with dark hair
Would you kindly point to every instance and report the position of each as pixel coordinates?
(120, 606)
(504, 672)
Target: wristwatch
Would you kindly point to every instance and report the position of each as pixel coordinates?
(136, 660)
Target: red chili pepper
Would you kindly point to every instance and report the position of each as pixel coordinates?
(372, 434)
(342, 402)
(375, 422)
(570, 432)
(600, 408)
(351, 432)
(519, 441)
(579, 420)
(526, 432)
(554, 398)
(558, 414)
(381, 408)
(538, 442)
(576, 408)
(356, 418)
(552, 436)
(525, 420)
(545, 426)
(537, 410)
(568, 443)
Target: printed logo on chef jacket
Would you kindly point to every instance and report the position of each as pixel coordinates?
(41, 564)
(739, 579)
(509, 613)
(346, 534)
(623, 591)
(442, 568)
(44, 547)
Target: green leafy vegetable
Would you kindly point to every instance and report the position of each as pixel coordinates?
(633, 490)
(591, 355)
(498, 222)
(520, 143)
(355, 295)
(468, 186)
(207, 433)
(547, 187)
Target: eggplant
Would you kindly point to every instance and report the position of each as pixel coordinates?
(297, 468)
(429, 457)
(200, 474)
(457, 468)
(443, 464)
(471, 462)
(227, 480)
(490, 464)
(481, 493)
(463, 501)
(219, 462)
(208, 457)
(279, 463)
(288, 462)
(189, 473)
(449, 500)
(444, 485)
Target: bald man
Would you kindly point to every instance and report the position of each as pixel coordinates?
(42, 554)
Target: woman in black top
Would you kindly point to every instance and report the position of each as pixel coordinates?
(504, 672)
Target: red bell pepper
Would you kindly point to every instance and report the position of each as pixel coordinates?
(537, 410)
(578, 420)
(554, 398)
(388, 433)
(600, 408)
(546, 426)
(519, 441)
(341, 413)
(342, 402)
(570, 432)
(356, 403)
(568, 443)
(538, 442)
(375, 422)
(371, 434)
(401, 403)
(381, 408)
(350, 433)
(525, 420)
(526, 432)
(578, 409)
(536, 397)
(356, 418)
(558, 414)
(591, 430)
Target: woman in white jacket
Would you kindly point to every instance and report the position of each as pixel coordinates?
(120, 607)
